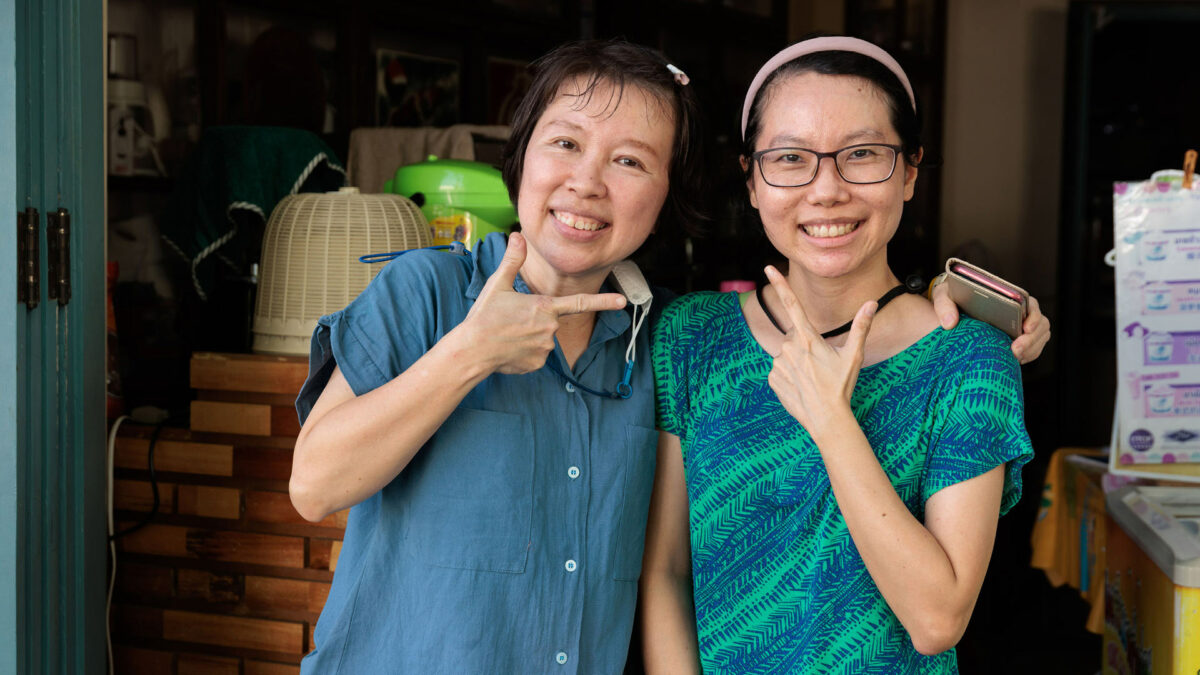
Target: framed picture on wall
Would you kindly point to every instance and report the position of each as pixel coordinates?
(507, 82)
(415, 91)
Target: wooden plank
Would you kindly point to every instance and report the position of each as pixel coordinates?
(276, 507)
(127, 659)
(233, 631)
(145, 582)
(210, 502)
(267, 594)
(221, 545)
(334, 551)
(175, 456)
(231, 418)
(247, 547)
(165, 540)
(282, 400)
(210, 586)
(266, 463)
(130, 430)
(284, 421)
(133, 621)
(196, 664)
(138, 495)
(319, 553)
(248, 372)
(270, 668)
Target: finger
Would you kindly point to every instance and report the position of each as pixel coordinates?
(1035, 334)
(857, 339)
(944, 306)
(506, 272)
(1034, 318)
(791, 304)
(587, 302)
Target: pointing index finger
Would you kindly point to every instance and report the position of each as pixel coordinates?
(587, 302)
(791, 304)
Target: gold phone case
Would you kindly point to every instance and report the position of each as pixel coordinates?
(982, 302)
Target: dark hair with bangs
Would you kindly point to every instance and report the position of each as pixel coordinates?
(906, 121)
(622, 64)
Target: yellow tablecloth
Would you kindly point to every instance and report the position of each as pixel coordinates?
(1069, 535)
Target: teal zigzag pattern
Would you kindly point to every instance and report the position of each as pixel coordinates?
(779, 584)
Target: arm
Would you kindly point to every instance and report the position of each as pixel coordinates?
(668, 616)
(351, 446)
(929, 574)
(1035, 332)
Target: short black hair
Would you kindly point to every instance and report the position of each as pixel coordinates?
(622, 64)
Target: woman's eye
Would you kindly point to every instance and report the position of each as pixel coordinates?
(565, 144)
(629, 162)
(862, 153)
(788, 158)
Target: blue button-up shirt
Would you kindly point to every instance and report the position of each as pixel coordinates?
(512, 542)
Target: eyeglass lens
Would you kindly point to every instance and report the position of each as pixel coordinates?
(791, 167)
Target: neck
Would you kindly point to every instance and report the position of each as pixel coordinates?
(830, 302)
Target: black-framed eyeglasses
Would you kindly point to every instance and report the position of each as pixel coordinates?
(860, 164)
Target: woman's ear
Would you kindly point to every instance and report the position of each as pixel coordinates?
(910, 173)
(749, 173)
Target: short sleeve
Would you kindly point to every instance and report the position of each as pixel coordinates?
(669, 357)
(983, 416)
(392, 323)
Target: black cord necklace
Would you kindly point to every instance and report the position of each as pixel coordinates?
(913, 284)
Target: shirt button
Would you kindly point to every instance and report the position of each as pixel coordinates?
(570, 388)
(570, 565)
(573, 472)
(561, 657)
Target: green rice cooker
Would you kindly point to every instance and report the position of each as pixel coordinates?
(463, 201)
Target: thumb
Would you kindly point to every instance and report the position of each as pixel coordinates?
(506, 272)
(857, 339)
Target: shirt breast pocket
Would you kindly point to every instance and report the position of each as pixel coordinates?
(641, 445)
(469, 493)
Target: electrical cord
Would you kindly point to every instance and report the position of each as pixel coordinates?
(113, 536)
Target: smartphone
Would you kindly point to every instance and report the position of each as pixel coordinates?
(986, 296)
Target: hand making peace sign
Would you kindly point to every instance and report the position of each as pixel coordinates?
(812, 378)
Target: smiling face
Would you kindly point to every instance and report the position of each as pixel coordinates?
(830, 228)
(595, 178)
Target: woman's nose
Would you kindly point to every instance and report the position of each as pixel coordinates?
(586, 178)
(827, 186)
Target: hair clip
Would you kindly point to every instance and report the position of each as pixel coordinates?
(680, 76)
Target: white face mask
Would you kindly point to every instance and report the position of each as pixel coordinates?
(629, 282)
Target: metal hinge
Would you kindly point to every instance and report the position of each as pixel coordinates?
(28, 273)
(58, 256)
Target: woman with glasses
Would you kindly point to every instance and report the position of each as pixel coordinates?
(832, 462)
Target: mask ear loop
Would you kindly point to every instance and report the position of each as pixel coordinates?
(624, 390)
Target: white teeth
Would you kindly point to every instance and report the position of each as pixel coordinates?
(821, 231)
(579, 222)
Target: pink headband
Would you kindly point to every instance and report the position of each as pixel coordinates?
(822, 44)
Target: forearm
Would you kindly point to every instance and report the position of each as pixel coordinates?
(354, 449)
(912, 570)
(668, 624)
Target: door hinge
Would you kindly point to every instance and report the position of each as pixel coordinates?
(58, 256)
(28, 273)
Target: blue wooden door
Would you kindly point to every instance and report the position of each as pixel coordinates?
(52, 430)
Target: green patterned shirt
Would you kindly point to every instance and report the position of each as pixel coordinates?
(779, 585)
